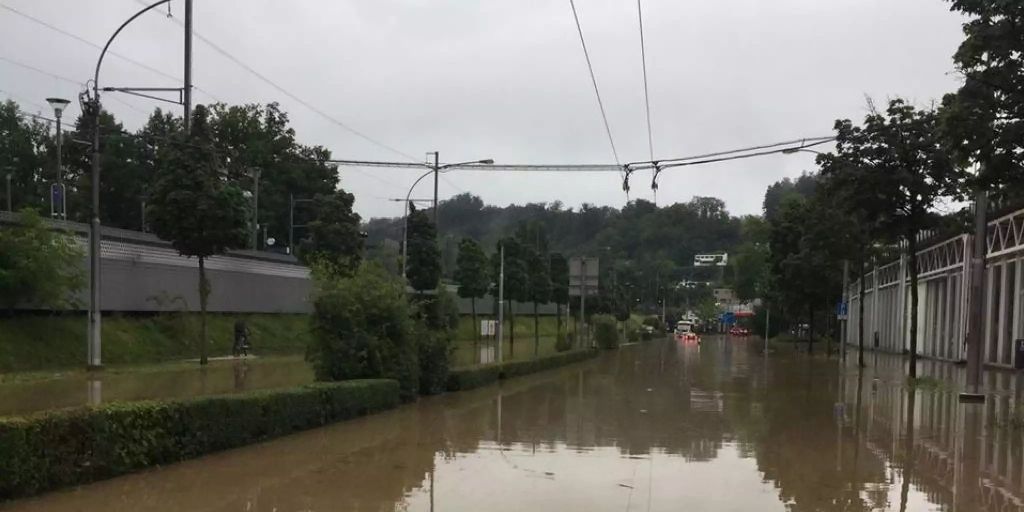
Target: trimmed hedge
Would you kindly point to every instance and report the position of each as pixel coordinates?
(460, 379)
(75, 446)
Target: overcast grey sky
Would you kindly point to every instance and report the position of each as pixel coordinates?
(506, 79)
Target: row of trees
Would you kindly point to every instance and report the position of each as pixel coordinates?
(241, 142)
(889, 175)
(645, 250)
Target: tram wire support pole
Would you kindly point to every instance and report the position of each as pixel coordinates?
(92, 107)
(976, 302)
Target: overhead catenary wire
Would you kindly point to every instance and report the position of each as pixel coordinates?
(215, 47)
(86, 42)
(593, 80)
(643, 62)
(66, 79)
(647, 98)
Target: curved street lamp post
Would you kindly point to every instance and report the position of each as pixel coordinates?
(435, 169)
(91, 107)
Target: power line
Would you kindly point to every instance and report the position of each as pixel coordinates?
(284, 91)
(643, 62)
(593, 80)
(647, 104)
(68, 80)
(86, 42)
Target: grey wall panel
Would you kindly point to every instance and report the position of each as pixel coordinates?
(152, 287)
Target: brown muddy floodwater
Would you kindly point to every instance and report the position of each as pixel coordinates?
(652, 427)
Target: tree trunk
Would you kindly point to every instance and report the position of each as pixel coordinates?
(476, 327)
(912, 250)
(558, 322)
(536, 332)
(810, 329)
(204, 293)
(860, 316)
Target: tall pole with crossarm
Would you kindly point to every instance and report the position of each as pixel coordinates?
(92, 107)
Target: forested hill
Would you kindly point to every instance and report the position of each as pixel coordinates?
(663, 239)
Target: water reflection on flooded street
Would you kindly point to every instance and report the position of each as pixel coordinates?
(657, 426)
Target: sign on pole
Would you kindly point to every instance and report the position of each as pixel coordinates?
(583, 274)
(711, 260)
(842, 310)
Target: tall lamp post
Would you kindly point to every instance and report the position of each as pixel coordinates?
(58, 202)
(91, 107)
(435, 169)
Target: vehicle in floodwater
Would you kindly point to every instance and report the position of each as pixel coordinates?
(685, 332)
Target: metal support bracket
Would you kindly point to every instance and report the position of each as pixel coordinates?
(141, 92)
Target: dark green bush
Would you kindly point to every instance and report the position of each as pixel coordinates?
(605, 331)
(76, 446)
(518, 368)
(435, 353)
(461, 379)
(363, 328)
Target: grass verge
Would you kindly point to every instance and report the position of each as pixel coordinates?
(43, 342)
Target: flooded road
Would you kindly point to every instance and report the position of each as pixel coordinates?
(658, 426)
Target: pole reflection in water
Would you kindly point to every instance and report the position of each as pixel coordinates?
(94, 390)
(657, 426)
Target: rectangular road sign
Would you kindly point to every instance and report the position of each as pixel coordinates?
(583, 272)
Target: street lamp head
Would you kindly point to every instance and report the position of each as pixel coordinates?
(487, 161)
(790, 151)
(58, 105)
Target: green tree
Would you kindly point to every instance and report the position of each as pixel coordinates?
(539, 283)
(558, 267)
(424, 266)
(985, 117)
(255, 137)
(473, 276)
(904, 156)
(195, 208)
(334, 232)
(24, 143)
(39, 267)
(363, 327)
(843, 187)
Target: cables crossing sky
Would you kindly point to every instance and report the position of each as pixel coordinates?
(593, 80)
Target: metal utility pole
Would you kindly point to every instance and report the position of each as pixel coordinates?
(186, 96)
(767, 324)
(91, 107)
(9, 192)
(976, 302)
(844, 321)
(255, 208)
(501, 301)
(95, 360)
(58, 203)
(437, 170)
(585, 335)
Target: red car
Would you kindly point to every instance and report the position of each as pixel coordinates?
(739, 331)
(688, 337)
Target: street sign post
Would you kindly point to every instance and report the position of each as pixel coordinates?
(841, 311)
(583, 281)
